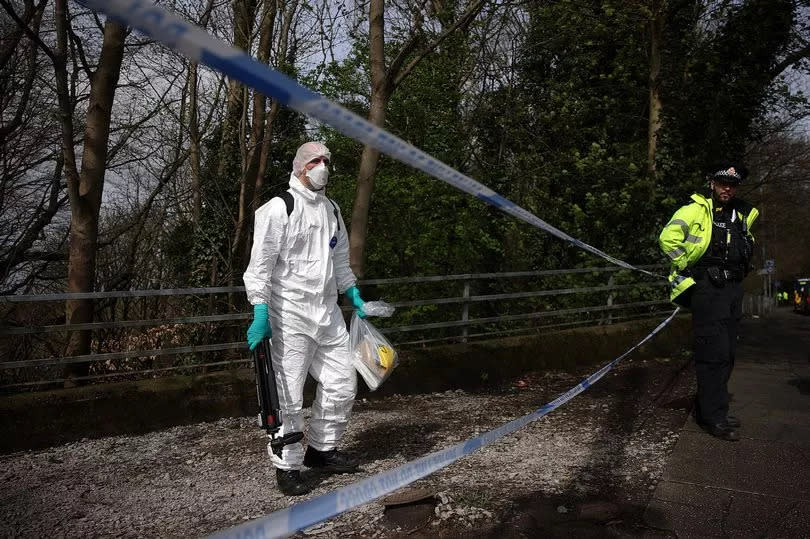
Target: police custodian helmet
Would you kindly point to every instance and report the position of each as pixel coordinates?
(730, 174)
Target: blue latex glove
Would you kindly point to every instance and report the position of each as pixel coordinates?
(354, 295)
(259, 328)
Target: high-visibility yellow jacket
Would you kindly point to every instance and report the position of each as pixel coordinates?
(689, 233)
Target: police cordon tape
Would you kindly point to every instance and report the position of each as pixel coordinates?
(199, 46)
(305, 514)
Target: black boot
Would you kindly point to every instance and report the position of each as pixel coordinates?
(722, 431)
(291, 483)
(332, 461)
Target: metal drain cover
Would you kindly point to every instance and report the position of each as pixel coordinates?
(407, 495)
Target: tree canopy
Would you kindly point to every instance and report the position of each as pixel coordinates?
(124, 165)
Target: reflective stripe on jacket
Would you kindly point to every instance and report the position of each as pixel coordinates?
(689, 233)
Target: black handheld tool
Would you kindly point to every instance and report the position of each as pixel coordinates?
(270, 418)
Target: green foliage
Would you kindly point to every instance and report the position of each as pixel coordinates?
(719, 82)
(574, 144)
(564, 135)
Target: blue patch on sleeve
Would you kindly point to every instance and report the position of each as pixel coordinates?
(333, 242)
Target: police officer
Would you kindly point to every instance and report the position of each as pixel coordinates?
(710, 245)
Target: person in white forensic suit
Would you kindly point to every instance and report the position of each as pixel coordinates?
(299, 263)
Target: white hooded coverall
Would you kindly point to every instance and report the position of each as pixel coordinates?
(298, 264)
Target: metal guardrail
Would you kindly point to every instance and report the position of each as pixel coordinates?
(28, 330)
(28, 298)
(525, 316)
(545, 328)
(247, 316)
(466, 300)
(90, 358)
(246, 361)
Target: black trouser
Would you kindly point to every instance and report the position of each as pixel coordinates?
(716, 314)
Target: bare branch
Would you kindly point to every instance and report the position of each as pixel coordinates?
(19, 252)
(462, 22)
(63, 94)
(789, 61)
(32, 35)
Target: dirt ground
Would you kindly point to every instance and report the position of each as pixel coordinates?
(585, 470)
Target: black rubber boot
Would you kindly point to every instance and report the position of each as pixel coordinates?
(722, 431)
(291, 483)
(330, 461)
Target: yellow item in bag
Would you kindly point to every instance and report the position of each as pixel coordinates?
(372, 355)
(385, 356)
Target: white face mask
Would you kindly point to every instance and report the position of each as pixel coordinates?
(318, 176)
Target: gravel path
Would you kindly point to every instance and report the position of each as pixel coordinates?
(590, 465)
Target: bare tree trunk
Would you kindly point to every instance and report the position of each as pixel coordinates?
(243, 13)
(85, 190)
(654, 121)
(365, 187)
(380, 94)
(240, 247)
(230, 169)
(265, 151)
(194, 146)
(288, 11)
(383, 83)
(282, 58)
(194, 130)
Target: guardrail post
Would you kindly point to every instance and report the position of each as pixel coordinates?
(465, 310)
(609, 316)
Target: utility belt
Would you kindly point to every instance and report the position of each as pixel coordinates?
(718, 275)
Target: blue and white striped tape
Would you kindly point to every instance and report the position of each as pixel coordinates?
(197, 45)
(305, 514)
